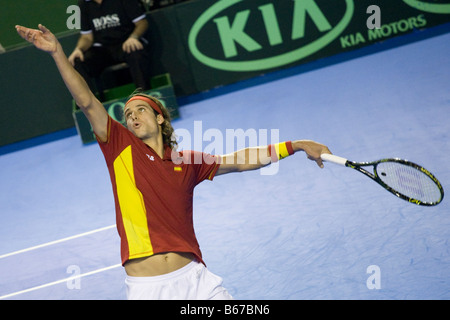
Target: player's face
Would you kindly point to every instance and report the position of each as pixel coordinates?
(141, 119)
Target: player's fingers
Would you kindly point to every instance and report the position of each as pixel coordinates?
(21, 31)
(320, 163)
(43, 28)
(28, 35)
(317, 160)
(326, 151)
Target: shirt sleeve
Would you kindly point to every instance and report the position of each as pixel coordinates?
(84, 21)
(118, 137)
(205, 165)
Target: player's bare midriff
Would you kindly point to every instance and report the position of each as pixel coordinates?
(158, 264)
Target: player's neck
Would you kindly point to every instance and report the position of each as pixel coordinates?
(156, 143)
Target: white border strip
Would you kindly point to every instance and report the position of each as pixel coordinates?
(60, 281)
(57, 241)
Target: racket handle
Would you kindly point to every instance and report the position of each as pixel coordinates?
(332, 158)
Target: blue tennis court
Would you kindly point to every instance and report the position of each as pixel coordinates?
(297, 232)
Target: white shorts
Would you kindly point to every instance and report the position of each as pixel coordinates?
(192, 282)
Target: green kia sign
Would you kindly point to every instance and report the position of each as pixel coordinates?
(233, 33)
(204, 44)
(232, 40)
(435, 7)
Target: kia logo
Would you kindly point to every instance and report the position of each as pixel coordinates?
(233, 32)
(443, 8)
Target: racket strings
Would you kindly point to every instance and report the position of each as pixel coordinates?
(409, 181)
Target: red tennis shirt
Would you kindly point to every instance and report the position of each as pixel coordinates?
(154, 196)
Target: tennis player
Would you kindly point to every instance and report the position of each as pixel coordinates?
(153, 185)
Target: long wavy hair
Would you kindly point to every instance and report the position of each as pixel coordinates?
(167, 130)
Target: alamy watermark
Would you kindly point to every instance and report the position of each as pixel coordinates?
(214, 141)
(74, 20)
(374, 21)
(73, 282)
(374, 280)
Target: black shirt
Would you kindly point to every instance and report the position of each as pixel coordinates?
(110, 22)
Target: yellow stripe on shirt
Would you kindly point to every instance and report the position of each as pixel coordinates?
(134, 214)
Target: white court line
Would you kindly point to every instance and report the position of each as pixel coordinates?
(56, 241)
(59, 281)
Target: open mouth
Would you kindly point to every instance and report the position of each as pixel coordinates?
(137, 125)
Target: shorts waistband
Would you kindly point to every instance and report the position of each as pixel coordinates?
(167, 276)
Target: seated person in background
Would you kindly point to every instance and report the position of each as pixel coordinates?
(112, 32)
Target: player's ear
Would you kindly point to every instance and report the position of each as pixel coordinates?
(160, 119)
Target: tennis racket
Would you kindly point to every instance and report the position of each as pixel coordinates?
(405, 179)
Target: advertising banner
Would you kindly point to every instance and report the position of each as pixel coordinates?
(231, 40)
(204, 44)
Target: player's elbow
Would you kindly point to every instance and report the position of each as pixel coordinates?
(84, 102)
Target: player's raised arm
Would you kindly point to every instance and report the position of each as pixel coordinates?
(46, 41)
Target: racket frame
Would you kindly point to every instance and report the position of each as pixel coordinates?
(359, 167)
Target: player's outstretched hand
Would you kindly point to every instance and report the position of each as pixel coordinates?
(41, 38)
(313, 150)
